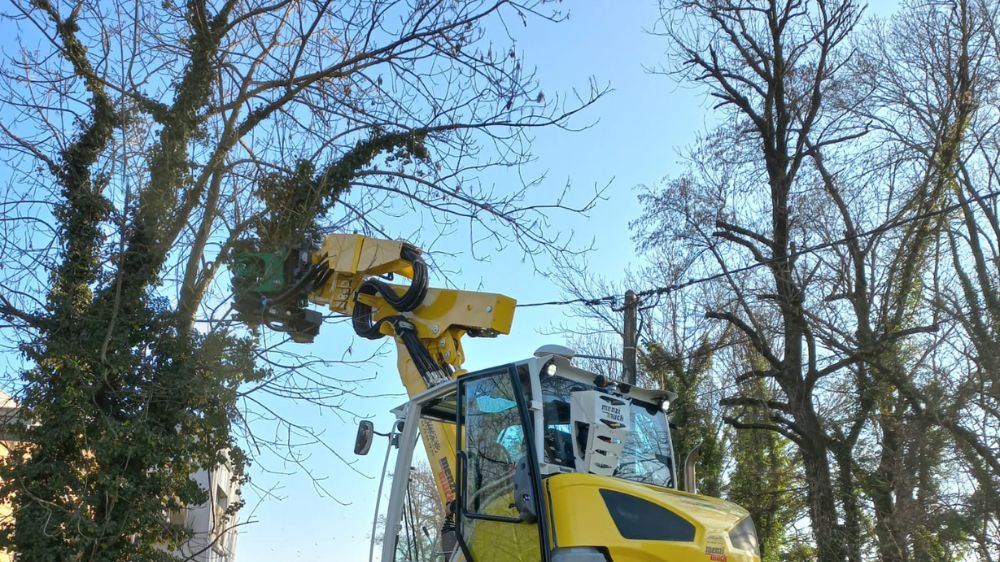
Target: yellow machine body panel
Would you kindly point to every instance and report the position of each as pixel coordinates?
(579, 516)
(496, 541)
(442, 309)
(350, 258)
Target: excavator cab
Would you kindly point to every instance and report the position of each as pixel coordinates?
(492, 483)
(555, 463)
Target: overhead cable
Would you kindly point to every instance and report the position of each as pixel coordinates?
(667, 289)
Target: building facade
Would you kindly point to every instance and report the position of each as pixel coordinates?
(213, 528)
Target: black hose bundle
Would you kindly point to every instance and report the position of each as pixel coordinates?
(417, 290)
(414, 295)
(361, 318)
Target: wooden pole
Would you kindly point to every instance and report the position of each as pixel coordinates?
(630, 336)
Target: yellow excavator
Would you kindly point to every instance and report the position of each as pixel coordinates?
(536, 460)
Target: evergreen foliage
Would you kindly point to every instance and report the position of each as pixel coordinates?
(295, 202)
(692, 421)
(177, 133)
(766, 479)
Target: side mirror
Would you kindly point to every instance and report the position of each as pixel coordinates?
(363, 442)
(524, 492)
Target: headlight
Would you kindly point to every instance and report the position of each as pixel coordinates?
(744, 536)
(579, 554)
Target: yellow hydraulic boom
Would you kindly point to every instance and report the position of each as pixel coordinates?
(427, 323)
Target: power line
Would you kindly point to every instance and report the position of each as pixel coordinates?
(667, 289)
(611, 299)
(664, 290)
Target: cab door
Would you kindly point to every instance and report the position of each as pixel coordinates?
(500, 510)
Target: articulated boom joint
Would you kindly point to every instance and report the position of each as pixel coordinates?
(344, 274)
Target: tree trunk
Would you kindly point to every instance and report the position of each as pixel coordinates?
(850, 501)
(822, 507)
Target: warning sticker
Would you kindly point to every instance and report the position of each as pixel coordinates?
(446, 480)
(715, 548)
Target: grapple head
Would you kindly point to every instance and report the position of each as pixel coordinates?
(271, 288)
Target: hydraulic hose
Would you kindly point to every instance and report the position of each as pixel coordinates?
(361, 318)
(417, 290)
(414, 295)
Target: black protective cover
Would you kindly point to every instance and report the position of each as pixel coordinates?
(638, 519)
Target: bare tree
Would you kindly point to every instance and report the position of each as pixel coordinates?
(941, 143)
(836, 265)
(770, 67)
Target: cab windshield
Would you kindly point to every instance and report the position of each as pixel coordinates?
(646, 456)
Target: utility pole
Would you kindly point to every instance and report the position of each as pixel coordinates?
(630, 336)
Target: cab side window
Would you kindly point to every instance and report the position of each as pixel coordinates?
(492, 527)
(494, 441)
